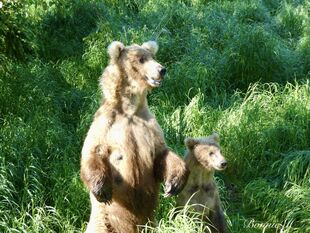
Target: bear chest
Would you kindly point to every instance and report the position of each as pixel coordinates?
(134, 141)
(136, 131)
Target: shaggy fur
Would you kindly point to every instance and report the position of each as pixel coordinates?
(125, 157)
(203, 157)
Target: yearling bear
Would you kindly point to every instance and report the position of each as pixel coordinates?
(124, 156)
(203, 156)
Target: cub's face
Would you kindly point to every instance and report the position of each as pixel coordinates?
(138, 62)
(209, 156)
(207, 151)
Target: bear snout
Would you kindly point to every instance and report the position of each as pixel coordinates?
(223, 164)
(162, 72)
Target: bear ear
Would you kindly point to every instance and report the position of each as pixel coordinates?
(115, 49)
(216, 137)
(151, 46)
(190, 143)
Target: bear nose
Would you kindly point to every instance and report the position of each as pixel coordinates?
(223, 164)
(162, 72)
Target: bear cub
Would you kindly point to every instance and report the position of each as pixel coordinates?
(203, 157)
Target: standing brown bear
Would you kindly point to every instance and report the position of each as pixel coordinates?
(124, 156)
(203, 156)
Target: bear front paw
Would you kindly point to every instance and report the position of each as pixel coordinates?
(173, 186)
(102, 191)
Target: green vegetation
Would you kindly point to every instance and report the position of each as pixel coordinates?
(240, 68)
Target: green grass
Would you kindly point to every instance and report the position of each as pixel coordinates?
(240, 68)
(178, 221)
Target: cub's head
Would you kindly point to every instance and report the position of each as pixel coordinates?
(207, 151)
(138, 63)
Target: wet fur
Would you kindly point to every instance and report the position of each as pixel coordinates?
(124, 156)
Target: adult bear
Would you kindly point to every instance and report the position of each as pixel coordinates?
(124, 156)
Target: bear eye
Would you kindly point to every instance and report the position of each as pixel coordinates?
(142, 60)
(211, 153)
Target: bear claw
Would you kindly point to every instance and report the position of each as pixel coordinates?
(172, 187)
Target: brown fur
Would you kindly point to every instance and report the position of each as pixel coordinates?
(203, 157)
(124, 156)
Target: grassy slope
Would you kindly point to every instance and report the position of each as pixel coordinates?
(236, 67)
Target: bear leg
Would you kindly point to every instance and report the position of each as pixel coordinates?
(172, 170)
(96, 175)
(218, 220)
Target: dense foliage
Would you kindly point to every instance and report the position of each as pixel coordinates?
(240, 68)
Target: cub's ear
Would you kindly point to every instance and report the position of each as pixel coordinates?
(216, 137)
(115, 49)
(191, 143)
(151, 46)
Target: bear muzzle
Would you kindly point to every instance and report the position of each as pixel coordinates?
(154, 79)
(162, 72)
(153, 82)
(222, 165)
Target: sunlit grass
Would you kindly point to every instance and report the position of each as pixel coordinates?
(239, 68)
(179, 220)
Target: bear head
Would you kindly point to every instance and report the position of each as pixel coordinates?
(207, 151)
(137, 62)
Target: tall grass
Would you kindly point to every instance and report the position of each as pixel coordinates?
(178, 221)
(240, 68)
